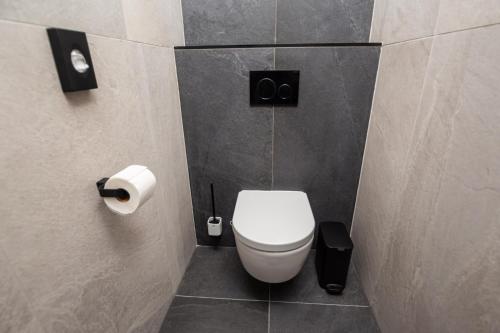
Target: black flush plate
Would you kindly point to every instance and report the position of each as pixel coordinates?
(274, 88)
(64, 43)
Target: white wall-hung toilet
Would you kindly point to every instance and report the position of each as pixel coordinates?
(274, 232)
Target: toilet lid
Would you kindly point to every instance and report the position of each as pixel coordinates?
(273, 220)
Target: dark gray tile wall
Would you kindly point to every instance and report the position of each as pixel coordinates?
(239, 22)
(223, 22)
(323, 21)
(318, 146)
(227, 142)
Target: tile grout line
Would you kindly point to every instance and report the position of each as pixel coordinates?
(124, 39)
(223, 298)
(272, 130)
(323, 304)
(276, 22)
(269, 301)
(440, 34)
(269, 309)
(272, 154)
(274, 111)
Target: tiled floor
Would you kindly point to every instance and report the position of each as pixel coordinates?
(217, 295)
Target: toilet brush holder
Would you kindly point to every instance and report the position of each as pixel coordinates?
(214, 222)
(214, 225)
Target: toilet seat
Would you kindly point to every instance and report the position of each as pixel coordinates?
(273, 221)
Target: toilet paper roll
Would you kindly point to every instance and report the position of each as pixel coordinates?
(138, 181)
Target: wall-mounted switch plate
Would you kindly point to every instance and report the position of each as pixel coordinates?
(274, 88)
(72, 56)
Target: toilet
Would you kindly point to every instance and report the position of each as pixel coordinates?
(274, 231)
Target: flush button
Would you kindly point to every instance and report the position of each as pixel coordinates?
(285, 91)
(266, 89)
(280, 88)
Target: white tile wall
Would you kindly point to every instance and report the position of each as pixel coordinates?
(155, 21)
(68, 263)
(93, 16)
(426, 221)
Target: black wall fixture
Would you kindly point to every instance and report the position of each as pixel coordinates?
(274, 88)
(72, 57)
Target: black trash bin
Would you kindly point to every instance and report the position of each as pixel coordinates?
(333, 255)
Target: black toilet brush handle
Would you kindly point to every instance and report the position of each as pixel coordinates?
(213, 202)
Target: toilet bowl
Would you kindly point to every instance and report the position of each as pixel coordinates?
(274, 232)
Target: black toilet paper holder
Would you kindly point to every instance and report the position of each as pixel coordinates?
(118, 193)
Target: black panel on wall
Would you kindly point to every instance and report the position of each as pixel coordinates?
(243, 22)
(228, 142)
(318, 146)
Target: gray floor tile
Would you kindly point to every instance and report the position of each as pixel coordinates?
(305, 288)
(217, 272)
(213, 315)
(290, 318)
(210, 300)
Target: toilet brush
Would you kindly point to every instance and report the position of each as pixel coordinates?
(214, 223)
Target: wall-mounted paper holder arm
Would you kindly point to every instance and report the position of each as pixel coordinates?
(118, 193)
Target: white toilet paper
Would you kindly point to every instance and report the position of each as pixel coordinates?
(138, 181)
